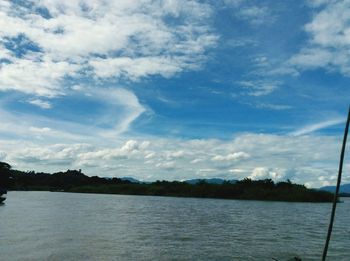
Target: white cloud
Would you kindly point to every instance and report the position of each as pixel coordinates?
(329, 33)
(120, 108)
(318, 3)
(234, 3)
(237, 171)
(256, 15)
(175, 154)
(284, 69)
(207, 170)
(37, 128)
(267, 173)
(231, 157)
(303, 159)
(150, 155)
(270, 106)
(317, 126)
(259, 87)
(251, 13)
(170, 165)
(103, 39)
(41, 103)
(196, 161)
(57, 154)
(123, 103)
(241, 42)
(35, 77)
(135, 68)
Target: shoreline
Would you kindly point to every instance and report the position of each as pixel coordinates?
(95, 190)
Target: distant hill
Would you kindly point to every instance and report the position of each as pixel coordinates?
(343, 188)
(209, 181)
(190, 181)
(132, 180)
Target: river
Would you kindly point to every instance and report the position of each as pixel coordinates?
(69, 226)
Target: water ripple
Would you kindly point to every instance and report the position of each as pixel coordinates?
(63, 226)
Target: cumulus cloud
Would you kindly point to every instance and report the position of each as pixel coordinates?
(40, 77)
(302, 159)
(57, 154)
(47, 41)
(267, 173)
(329, 41)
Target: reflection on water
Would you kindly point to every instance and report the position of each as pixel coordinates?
(64, 226)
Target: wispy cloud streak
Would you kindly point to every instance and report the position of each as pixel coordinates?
(316, 127)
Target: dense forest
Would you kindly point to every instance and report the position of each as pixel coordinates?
(76, 181)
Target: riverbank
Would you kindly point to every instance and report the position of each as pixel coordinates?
(264, 190)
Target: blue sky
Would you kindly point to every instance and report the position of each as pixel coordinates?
(175, 89)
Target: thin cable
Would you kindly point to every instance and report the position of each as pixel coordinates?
(337, 188)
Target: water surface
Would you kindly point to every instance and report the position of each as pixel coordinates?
(68, 226)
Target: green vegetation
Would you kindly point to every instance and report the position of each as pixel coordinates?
(247, 189)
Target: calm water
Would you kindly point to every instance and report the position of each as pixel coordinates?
(64, 226)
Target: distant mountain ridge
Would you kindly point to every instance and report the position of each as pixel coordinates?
(345, 188)
(210, 181)
(218, 181)
(132, 180)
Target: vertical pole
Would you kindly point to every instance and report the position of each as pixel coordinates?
(337, 188)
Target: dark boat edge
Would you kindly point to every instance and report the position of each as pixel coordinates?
(3, 193)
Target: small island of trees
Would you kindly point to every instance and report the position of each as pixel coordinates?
(76, 181)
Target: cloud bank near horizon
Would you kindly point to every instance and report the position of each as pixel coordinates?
(305, 159)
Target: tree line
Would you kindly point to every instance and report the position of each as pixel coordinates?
(76, 181)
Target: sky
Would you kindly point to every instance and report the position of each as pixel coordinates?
(175, 89)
